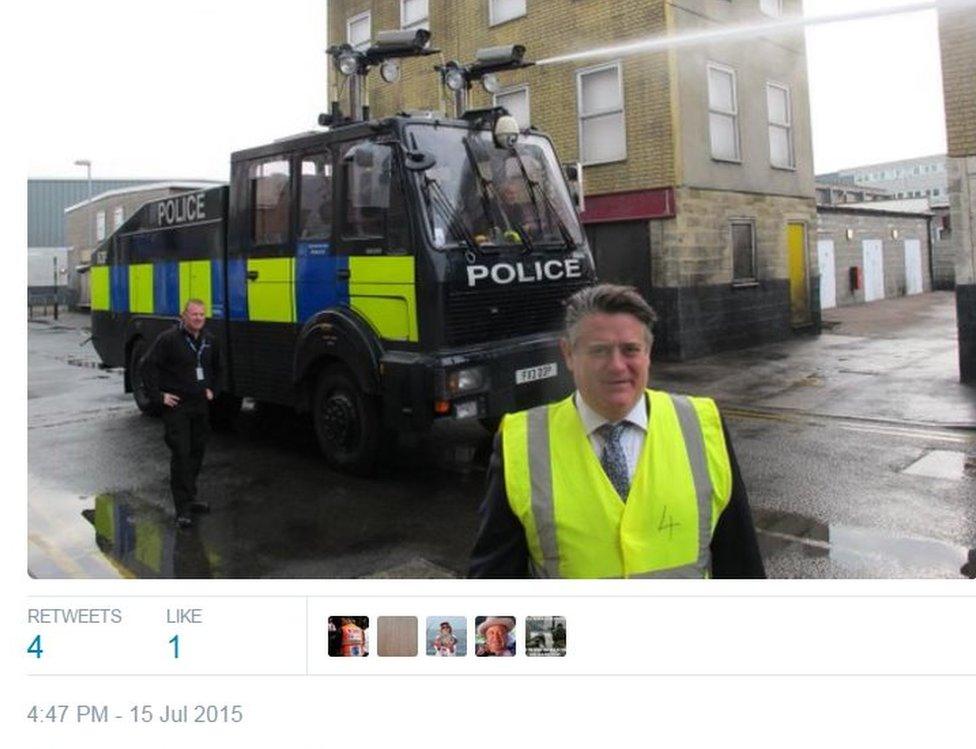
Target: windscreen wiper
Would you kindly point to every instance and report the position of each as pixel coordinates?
(437, 199)
(489, 198)
(550, 208)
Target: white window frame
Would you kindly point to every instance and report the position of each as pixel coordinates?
(422, 23)
(772, 8)
(580, 117)
(514, 90)
(491, 14)
(787, 126)
(100, 226)
(118, 217)
(734, 113)
(368, 16)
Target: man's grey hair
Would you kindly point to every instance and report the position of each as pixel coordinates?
(610, 299)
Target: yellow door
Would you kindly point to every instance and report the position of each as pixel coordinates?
(796, 247)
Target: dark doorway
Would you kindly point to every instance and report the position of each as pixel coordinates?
(622, 253)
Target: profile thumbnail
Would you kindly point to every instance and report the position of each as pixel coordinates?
(495, 636)
(447, 636)
(347, 636)
(396, 636)
(545, 636)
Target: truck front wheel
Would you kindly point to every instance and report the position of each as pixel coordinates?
(347, 422)
(139, 391)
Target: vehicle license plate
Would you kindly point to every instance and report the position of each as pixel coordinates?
(533, 374)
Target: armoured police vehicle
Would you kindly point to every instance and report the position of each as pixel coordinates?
(381, 274)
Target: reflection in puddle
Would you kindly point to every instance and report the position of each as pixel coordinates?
(851, 547)
(144, 545)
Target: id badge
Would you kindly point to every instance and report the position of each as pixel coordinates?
(200, 374)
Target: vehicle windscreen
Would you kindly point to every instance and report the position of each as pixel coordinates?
(481, 195)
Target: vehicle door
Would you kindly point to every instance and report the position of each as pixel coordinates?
(266, 263)
(373, 240)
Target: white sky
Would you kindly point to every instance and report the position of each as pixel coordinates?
(875, 85)
(169, 89)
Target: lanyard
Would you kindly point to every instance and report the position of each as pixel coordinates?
(196, 350)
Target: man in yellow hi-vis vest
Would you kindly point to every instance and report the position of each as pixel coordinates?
(616, 480)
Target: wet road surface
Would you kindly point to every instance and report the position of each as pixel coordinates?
(839, 487)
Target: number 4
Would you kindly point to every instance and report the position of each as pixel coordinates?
(35, 647)
(667, 523)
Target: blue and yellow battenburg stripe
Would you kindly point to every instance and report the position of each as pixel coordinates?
(285, 290)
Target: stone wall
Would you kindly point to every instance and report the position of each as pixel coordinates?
(962, 199)
(702, 310)
(834, 223)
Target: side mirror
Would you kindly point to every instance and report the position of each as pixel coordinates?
(573, 171)
(418, 161)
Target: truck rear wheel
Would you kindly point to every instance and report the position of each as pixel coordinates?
(347, 422)
(139, 391)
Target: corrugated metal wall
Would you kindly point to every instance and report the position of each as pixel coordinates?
(47, 199)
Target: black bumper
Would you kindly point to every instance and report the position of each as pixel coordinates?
(415, 392)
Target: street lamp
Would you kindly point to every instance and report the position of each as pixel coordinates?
(91, 231)
(91, 219)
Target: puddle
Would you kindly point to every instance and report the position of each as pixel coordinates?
(888, 554)
(79, 361)
(146, 544)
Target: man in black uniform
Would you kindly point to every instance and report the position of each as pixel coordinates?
(182, 374)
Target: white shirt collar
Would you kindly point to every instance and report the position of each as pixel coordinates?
(593, 421)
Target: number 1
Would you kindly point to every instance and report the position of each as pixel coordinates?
(175, 642)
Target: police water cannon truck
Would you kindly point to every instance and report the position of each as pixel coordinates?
(382, 274)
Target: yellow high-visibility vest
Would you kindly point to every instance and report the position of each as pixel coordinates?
(575, 523)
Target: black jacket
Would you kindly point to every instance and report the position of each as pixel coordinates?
(501, 551)
(170, 365)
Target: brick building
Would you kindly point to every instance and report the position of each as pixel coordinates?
(957, 38)
(697, 159)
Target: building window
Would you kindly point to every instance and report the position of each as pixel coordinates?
(500, 11)
(600, 102)
(780, 126)
(743, 251)
(100, 226)
(516, 101)
(270, 205)
(723, 120)
(359, 30)
(414, 14)
(118, 217)
(771, 7)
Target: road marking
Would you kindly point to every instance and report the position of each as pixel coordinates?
(961, 437)
(795, 539)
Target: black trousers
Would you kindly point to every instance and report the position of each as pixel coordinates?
(187, 428)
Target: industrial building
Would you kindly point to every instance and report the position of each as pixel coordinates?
(46, 242)
(874, 250)
(89, 222)
(697, 160)
(899, 183)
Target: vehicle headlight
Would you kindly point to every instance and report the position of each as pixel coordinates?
(465, 380)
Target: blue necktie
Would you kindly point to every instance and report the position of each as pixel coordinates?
(613, 460)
